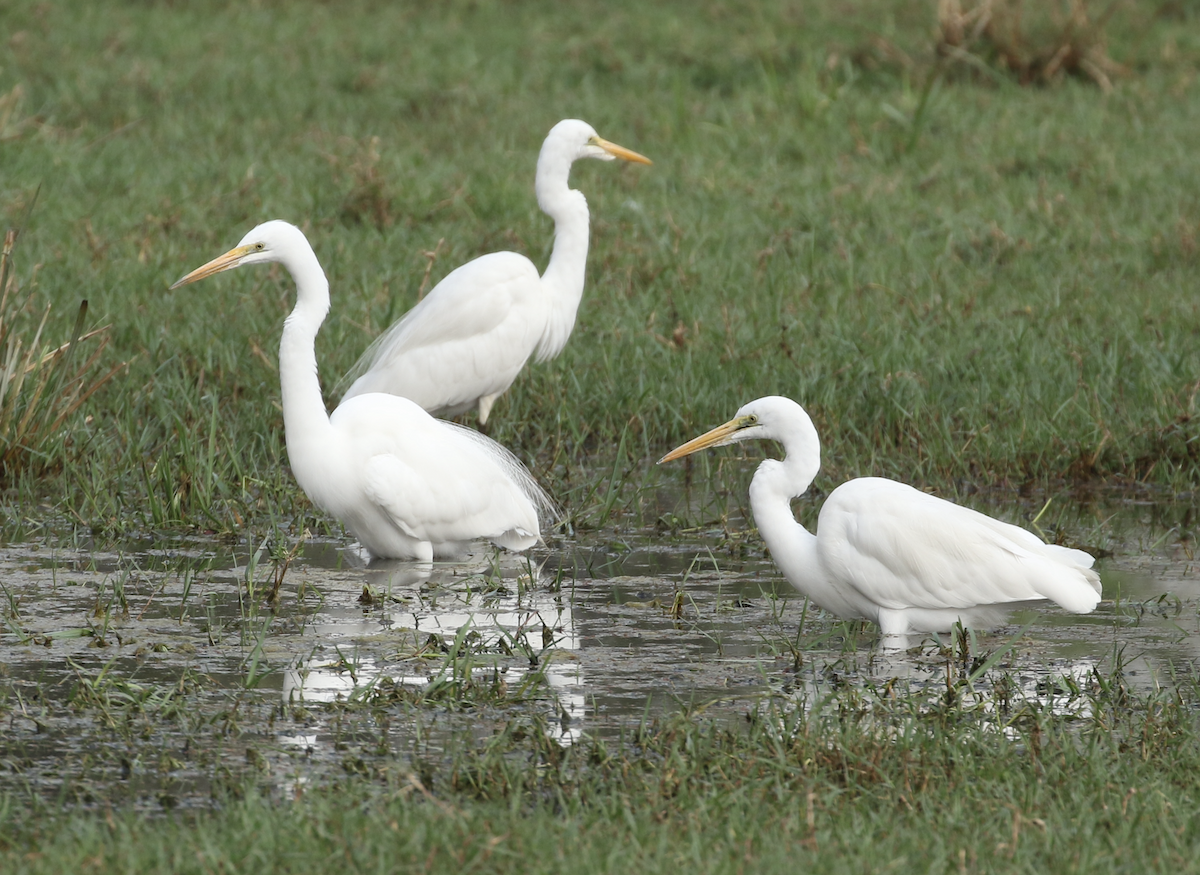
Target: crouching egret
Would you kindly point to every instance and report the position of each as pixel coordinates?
(465, 342)
(889, 553)
(406, 485)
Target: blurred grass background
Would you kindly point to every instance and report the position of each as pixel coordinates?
(967, 280)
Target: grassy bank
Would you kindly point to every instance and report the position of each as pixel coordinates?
(974, 281)
(881, 778)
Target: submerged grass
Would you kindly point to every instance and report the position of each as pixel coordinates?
(867, 778)
(964, 280)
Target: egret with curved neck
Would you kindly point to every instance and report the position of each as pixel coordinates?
(466, 341)
(886, 552)
(406, 485)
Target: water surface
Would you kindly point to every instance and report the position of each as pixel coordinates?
(157, 671)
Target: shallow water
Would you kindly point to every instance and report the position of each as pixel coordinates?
(155, 673)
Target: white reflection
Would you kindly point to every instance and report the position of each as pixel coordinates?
(304, 742)
(418, 615)
(1064, 689)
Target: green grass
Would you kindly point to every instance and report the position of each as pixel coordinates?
(868, 780)
(1008, 301)
(968, 283)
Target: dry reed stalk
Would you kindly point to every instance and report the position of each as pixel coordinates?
(1039, 41)
(39, 388)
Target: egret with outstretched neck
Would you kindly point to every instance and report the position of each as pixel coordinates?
(406, 485)
(465, 342)
(886, 552)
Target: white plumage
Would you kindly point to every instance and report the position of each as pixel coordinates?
(888, 553)
(403, 483)
(464, 343)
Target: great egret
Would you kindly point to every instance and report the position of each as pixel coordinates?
(405, 484)
(889, 553)
(465, 342)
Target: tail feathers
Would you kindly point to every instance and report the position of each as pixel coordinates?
(547, 511)
(1071, 556)
(1074, 589)
(1082, 562)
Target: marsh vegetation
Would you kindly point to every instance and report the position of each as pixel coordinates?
(975, 269)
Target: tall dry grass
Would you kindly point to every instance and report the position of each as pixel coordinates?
(1037, 41)
(41, 387)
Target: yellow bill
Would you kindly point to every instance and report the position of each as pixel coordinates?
(620, 151)
(718, 437)
(230, 259)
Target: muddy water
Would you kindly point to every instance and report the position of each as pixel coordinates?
(155, 673)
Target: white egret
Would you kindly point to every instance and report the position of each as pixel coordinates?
(405, 484)
(465, 342)
(887, 552)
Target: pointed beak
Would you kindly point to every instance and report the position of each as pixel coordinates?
(230, 259)
(718, 437)
(620, 151)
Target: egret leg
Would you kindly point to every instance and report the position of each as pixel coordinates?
(892, 623)
(485, 407)
(891, 643)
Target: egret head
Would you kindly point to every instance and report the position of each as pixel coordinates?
(577, 139)
(270, 241)
(771, 418)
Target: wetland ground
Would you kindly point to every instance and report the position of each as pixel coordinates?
(151, 674)
(171, 677)
(975, 268)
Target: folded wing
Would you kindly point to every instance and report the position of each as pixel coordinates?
(467, 339)
(902, 548)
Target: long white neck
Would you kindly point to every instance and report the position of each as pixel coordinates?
(564, 276)
(305, 420)
(792, 546)
(796, 550)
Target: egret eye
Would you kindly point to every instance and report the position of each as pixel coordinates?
(363, 465)
(419, 358)
(891, 554)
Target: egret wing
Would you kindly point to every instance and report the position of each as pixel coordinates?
(447, 491)
(902, 548)
(468, 338)
(514, 469)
